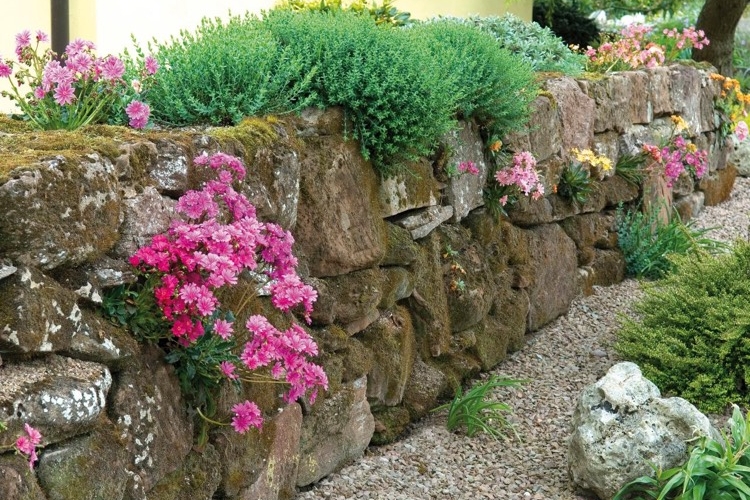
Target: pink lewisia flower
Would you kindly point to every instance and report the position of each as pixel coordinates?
(79, 45)
(112, 68)
(64, 94)
(246, 415)
(41, 36)
(223, 328)
(469, 167)
(151, 65)
(227, 369)
(27, 444)
(138, 112)
(23, 40)
(741, 131)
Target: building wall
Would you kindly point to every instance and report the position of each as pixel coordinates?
(421, 9)
(110, 24)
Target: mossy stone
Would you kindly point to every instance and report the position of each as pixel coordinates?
(390, 423)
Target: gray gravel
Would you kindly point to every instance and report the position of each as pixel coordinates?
(559, 360)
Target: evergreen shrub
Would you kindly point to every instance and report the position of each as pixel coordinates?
(388, 82)
(491, 85)
(691, 334)
(224, 72)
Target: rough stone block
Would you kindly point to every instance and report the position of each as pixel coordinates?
(403, 191)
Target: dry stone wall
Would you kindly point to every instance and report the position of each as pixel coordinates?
(394, 336)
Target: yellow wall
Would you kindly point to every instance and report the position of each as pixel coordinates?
(109, 23)
(421, 9)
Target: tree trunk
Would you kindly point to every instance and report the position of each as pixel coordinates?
(719, 19)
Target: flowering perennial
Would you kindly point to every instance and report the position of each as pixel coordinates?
(732, 106)
(600, 163)
(679, 154)
(520, 177)
(26, 444)
(219, 238)
(77, 89)
(634, 49)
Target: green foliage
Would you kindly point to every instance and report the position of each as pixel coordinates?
(196, 365)
(390, 85)
(575, 183)
(649, 244)
(630, 168)
(225, 72)
(691, 336)
(489, 83)
(715, 470)
(134, 307)
(472, 411)
(538, 46)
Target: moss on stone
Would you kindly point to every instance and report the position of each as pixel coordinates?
(247, 136)
(390, 423)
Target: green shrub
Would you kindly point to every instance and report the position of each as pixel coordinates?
(472, 411)
(692, 333)
(384, 14)
(387, 80)
(648, 243)
(491, 85)
(538, 46)
(716, 469)
(226, 71)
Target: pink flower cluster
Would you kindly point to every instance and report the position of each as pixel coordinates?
(78, 75)
(246, 415)
(677, 157)
(26, 444)
(633, 48)
(688, 38)
(138, 113)
(630, 50)
(219, 239)
(521, 175)
(468, 167)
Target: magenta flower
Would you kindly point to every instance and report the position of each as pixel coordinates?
(41, 36)
(26, 445)
(5, 69)
(223, 328)
(151, 65)
(112, 69)
(246, 415)
(23, 40)
(228, 370)
(64, 94)
(468, 167)
(138, 113)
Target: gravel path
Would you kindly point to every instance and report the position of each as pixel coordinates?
(559, 360)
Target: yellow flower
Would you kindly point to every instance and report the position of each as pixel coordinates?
(716, 76)
(679, 123)
(692, 148)
(495, 146)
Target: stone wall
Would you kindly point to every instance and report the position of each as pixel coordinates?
(395, 337)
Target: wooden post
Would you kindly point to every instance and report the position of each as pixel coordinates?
(60, 23)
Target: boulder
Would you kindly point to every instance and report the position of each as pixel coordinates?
(576, 111)
(77, 221)
(169, 172)
(347, 298)
(391, 340)
(278, 474)
(415, 187)
(339, 228)
(503, 330)
(690, 206)
(717, 186)
(74, 469)
(398, 284)
(552, 257)
(149, 412)
(740, 158)
(401, 250)
(685, 93)
(465, 191)
(145, 215)
(335, 433)
(545, 130)
(421, 222)
(37, 315)
(16, 483)
(622, 427)
(61, 397)
(428, 302)
(608, 267)
(659, 98)
(589, 232)
(423, 388)
(198, 478)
